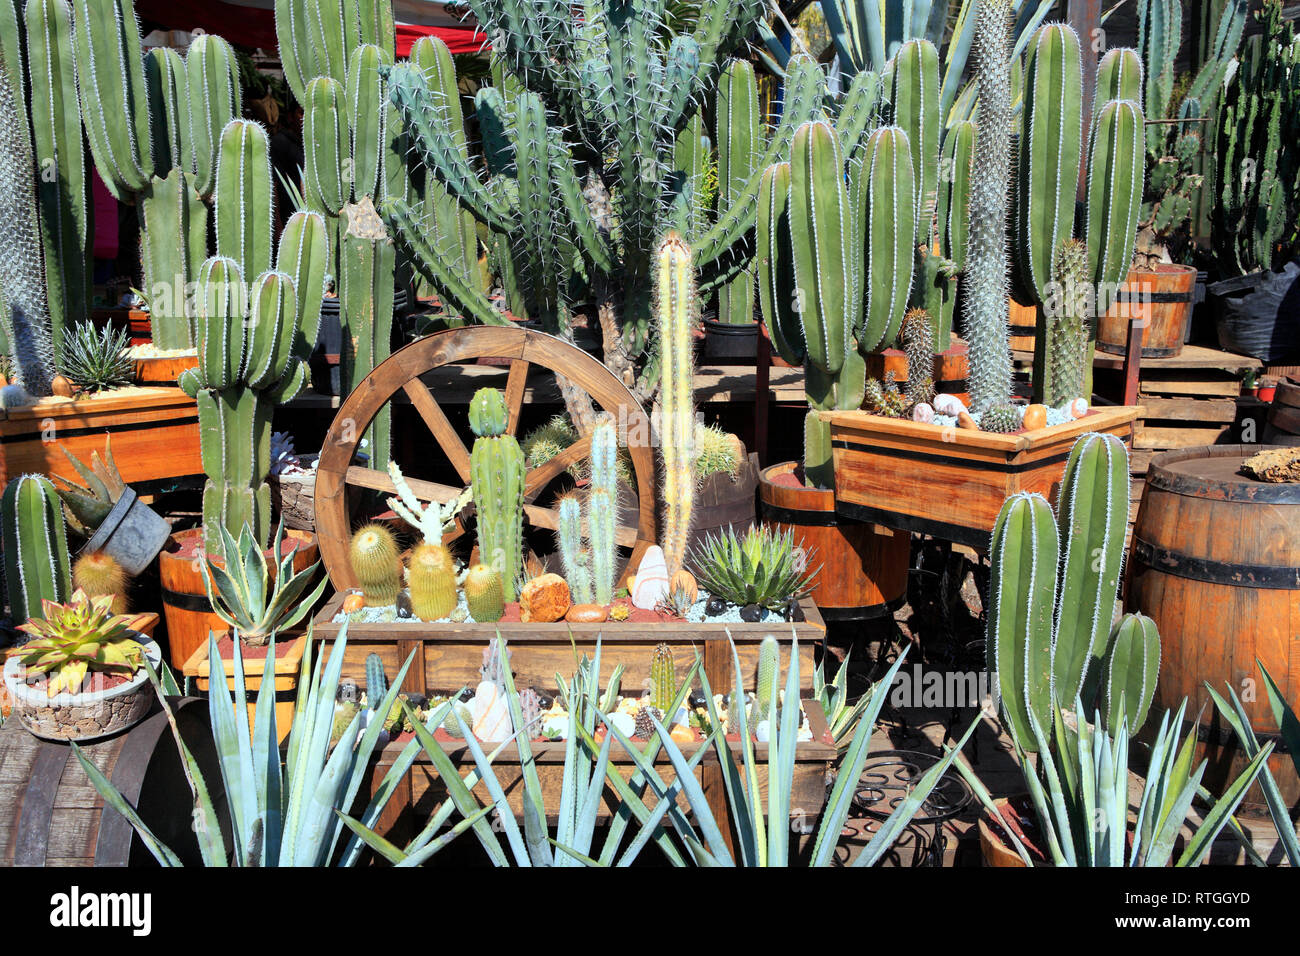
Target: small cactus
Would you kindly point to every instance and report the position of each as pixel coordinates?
(431, 580)
(768, 664)
(376, 682)
(530, 710)
(645, 728)
(484, 594)
(497, 478)
(918, 344)
(1129, 672)
(96, 574)
(619, 612)
(663, 678)
(374, 560)
(1001, 419)
(492, 669)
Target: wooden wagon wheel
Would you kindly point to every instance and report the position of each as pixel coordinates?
(402, 371)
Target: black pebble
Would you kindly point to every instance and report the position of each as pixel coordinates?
(404, 605)
(792, 611)
(715, 606)
(750, 613)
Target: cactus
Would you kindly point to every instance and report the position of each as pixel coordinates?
(97, 573)
(915, 103)
(484, 594)
(1001, 419)
(376, 682)
(530, 712)
(769, 667)
(675, 308)
(497, 479)
(937, 276)
(494, 662)
(433, 520)
(1061, 348)
(602, 511)
(35, 546)
(663, 678)
(575, 560)
(739, 139)
(884, 398)
(645, 721)
(1114, 200)
(1129, 672)
(986, 256)
(431, 582)
(374, 560)
(1049, 612)
(918, 345)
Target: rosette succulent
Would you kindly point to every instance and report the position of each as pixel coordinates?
(758, 567)
(77, 637)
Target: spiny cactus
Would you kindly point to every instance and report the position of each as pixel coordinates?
(915, 103)
(645, 721)
(97, 574)
(675, 310)
(577, 570)
(1064, 352)
(374, 560)
(530, 711)
(35, 546)
(602, 510)
(376, 682)
(918, 345)
(432, 520)
(1001, 419)
(1049, 613)
(484, 594)
(431, 582)
(739, 135)
(1129, 673)
(884, 398)
(769, 667)
(494, 663)
(663, 678)
(497, 478)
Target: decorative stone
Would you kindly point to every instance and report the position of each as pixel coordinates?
(965, 421)
(714, 606)
(354, 601)
(1078, 408)
(682, 734)
(763, 732)
(945, 404)
(683, 580)
(651, 580)
(491, 713)
(1035, 417)
(792, 610)
(404, 605)
(544, 600)
(625, 723)
(923, 412)
(750, 613)
(586, 614)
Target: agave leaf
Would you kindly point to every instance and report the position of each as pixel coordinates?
(113, 797)
(1223, 809)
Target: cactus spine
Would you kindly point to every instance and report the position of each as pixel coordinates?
(739, 139)
(497, 477)
(374, 560)
(769, 662)
(663, 679)
(591, 565)
(35, 543)
(1129, 672)
(986, 257)
(96, 574)
(1061, 348)
(431, 582)
(675, 308)
(483, 593)
(918, 344)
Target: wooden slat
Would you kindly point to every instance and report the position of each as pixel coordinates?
(1190, 409)
(1211, 387)
(1148, 437)
(516, 382)
(538, 478)
(437, 422)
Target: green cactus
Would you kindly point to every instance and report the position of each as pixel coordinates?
(36, 563)
(918, 345)
(602, 510)
(1049, 613)
(373, 558)
(769, 667)
(663, 679)
(497, 477)
(431, 582)
(376, 682)
(1129, 672)
(675, 307)
(574, 558)
(1061, 347)
(484, 594)
(740, 147)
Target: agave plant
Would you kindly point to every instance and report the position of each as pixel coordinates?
(1079, 791)
(77, 637)
(280, 815)
(244, 596)
(842, 718)
(1237, 718)
(761, 567)
(95, 359)
(87, 506)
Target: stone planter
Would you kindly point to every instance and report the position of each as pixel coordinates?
(88, 715)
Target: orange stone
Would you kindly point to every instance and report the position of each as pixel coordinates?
(355, 601)
(683, 580)
(681, 734)
(587, 614)
(1035, 417)
(964, 420)
(544, 600)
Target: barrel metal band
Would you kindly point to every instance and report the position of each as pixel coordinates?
(186, 602)
(1216, 572)
(808, 519)
(1159, 297)
(32, 840)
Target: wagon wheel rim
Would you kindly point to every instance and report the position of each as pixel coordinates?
(402, 371)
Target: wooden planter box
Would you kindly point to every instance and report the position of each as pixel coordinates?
(951, 482)
(163, 370)
(420, 792)
(284, 670)
(448, 656)
(155, 435)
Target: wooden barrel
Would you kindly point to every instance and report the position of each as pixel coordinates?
(863, 570)
(1022, 325)
(1162, 296)
(1215, 562)
(1283, 426)
(52, 815)
(723, 502)
(186, 610)
(951, 368)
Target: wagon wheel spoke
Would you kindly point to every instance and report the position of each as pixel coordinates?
(538, 478)
(436, 420)
(515, 385)
(549, 519)
(423, 490)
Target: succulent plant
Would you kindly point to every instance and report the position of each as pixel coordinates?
(98, 574)
(242, 592)
(1129, 671)
(87, 506)
(675, 311)
(758, 566)
(884, 398)
(1001, 419)
(375, 562)
(432, 520)
(716, 452)
(77, 637)
(431, 582)
(95, 359)
(35, 546)
(496, 465)
(917, 335)
(645, 721)
(484, 595)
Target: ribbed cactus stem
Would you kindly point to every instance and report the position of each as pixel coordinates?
(1062, 350)
(602, 511)
(431, 582)
(483, 593)
(918, 346)
(376, 682)
(497, 479)
(576, 560)
(663, 679)
(374, 560)
(174, 244)
(1129, 673)
(986, 280)
(35, 546)
(243, 208)
(886, 216)
(675, 309)
(740, 148)
(765, 686)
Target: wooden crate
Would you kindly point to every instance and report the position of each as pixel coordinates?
(950, 482)
(420, 791)
(448, 656)
(155, 435)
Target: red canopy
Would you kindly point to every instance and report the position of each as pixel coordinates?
(252, 22)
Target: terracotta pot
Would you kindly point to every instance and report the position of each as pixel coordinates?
(994, 847)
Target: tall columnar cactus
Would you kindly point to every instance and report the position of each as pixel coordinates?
(576, 560)
(886, 212)
(915, 103)
(497, 476)
(62, 186)
(986, 281)
(1128, 677)
(740, 149)
(602, 510)
(255, 332)
(22, 275)
(1114, 199)
(937, 279)
(36, 562)
(615, 88)
(675, 308)
(1050, 613)
(1062, 351)
(663, 679)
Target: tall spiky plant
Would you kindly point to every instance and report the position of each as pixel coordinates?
(675, 307)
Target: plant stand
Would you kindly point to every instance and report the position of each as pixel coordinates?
(950, 482)
(284, 671)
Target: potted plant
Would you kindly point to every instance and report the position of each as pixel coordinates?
(1254, 222)
(81, 675)
(1250, 383)
(937, 466)
(1267, 389)
(256, 602)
